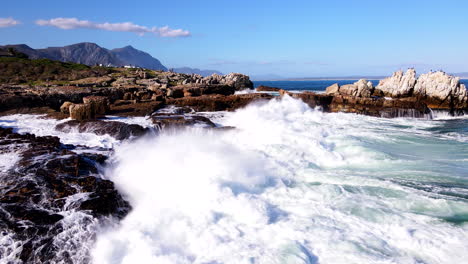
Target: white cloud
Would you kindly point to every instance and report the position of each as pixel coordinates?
(73, 23)
(8, 22)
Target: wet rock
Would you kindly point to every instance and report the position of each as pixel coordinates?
(171, 121)
(380, 107)
(118, 130)
(35, 193)
(312, 99)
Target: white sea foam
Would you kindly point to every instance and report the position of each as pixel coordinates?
(288, 185)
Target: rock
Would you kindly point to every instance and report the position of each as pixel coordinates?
(82, 112)
(219, 102)
(171, 121)
(236, 80)
(399, 84)
(380, 107)
(132, 108)
(312, 99)
(34, 194)
(118, 130)
(65, 108)
(99, 104)
(361, 88)
(93, 81)
(441, 91)
(263, 88)
(333, 89)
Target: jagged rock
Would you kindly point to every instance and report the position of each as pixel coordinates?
(118, 130)
(333, 89)
(99, 104)
(82, 112)
(236, 80)
(219, 102)
(65, 108)
(441, 90)
(399, 84)
(34, 194)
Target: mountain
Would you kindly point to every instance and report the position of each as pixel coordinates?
(132, 56)
(203, 73)
(92, 54)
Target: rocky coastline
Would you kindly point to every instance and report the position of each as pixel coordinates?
(50, 173)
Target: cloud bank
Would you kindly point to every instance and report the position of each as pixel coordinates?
(8, 22)
(74, 23)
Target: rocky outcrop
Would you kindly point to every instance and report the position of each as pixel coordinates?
(175, 121)
(118, 130)
(236, 80)
(441, 91)
(218, 102)
(44, 187)
(312, 99)
(361, 88)
(399, 84)
(437, 89)
(380, 107)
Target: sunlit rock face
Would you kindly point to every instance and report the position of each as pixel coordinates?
(399, 84)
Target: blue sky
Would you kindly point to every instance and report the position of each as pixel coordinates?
(287, 38)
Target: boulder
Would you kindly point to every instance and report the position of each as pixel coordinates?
(236, 80)
(399, 84)
(99, 104)
(65, 108)
(333, 89)
(82, 112)
(171, 121)
(361, 88)
(441, 91)
(118, 130)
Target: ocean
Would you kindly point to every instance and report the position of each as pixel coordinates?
(318, 85)
(289, 185)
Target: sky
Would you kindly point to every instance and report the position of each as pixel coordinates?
(295, 38)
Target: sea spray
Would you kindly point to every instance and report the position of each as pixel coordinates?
(291, 185)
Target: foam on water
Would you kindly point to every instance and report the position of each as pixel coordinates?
(39, 125)
(292, 185)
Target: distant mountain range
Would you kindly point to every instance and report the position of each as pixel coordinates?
(92, 54)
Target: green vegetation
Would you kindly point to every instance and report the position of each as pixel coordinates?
(14, 70)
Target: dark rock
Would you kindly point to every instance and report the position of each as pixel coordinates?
(115, 129)
(33, 195)
(171, 121)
